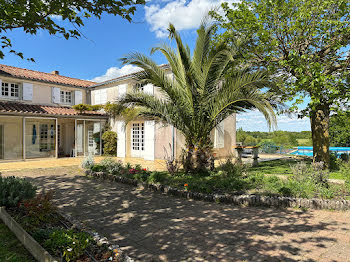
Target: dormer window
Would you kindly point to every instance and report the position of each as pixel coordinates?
(66, 97)
(9, 90)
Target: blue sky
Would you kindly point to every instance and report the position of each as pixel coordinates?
(96, 56)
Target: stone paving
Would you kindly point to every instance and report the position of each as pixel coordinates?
(155, 227)
(73, 161)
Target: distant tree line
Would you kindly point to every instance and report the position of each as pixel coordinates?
(339, 133)
(283, 139)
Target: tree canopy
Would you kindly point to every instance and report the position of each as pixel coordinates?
(339, 130)
(304, 45)
(34, 15)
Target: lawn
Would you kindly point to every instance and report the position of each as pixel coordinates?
(11, 250)
(283, 167)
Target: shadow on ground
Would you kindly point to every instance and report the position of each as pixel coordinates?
(152, 227)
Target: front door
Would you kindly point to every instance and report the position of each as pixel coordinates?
(138, 139)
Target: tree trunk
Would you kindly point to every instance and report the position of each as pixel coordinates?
(188, 159)
(319, 119)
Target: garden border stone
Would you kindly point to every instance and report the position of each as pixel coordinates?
(37, 251)
(242, 200)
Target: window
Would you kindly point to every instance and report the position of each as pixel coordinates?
(138, 136)
(9, 90)
(59, 135)
(44, 130)
(138, 87)
(66, 97)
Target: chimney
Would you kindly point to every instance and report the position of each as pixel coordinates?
(55, 72)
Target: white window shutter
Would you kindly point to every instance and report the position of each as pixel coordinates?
(103, 96)
(27, 91)
(149, 140)
(148, 89)
(122, 91)
(97, 99)
(56, 95)
(78, 97)
(219, 136)
(121, 137)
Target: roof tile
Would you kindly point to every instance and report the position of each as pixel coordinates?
(15, 107)
(23, 73)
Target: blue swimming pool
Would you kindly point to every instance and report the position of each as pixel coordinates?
(308, 150)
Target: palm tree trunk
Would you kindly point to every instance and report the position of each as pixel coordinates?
(320, 133)
(188, 164)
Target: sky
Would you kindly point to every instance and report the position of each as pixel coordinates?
(96, 56)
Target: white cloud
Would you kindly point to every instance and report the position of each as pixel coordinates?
(255, 121)
(114, 72)
(183, 14)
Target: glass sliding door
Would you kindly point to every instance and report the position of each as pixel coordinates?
(11, 138)
(93, 137)
(1, 141)
(40, 137)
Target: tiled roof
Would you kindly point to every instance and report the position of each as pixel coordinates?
(23, 73)
(14, 107)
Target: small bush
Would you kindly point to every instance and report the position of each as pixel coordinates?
(13, 190)
(232, 169)
(38, 210)
(157, 177)
(109, 139)
(98, 168)
(111, 166)
(88, 162)
(71, 244)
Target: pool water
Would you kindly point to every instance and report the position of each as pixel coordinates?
(308, 151)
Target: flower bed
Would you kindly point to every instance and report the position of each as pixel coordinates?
(47, 234)
(230, 185)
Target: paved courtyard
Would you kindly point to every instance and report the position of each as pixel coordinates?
(155, 227)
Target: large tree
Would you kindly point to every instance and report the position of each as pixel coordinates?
(303, 42)
(200, 95)
(34, 15)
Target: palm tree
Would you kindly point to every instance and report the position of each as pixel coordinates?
(200, 95)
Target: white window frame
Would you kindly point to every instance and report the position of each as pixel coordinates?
(137, 139)
(64, 97)
(12, 88)
(138, 87)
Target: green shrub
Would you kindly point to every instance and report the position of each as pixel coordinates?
(13, 190)
(141, 176)
(231, 169)
(98, 168)
(334, 162)
(38, 210)
(71, 244)
(109, 139)
(157, 177)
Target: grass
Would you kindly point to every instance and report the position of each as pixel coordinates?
(11, 250)
(304, 142)
(282, 167)
(274, 167)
